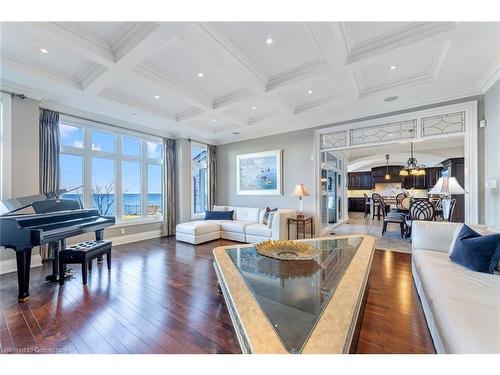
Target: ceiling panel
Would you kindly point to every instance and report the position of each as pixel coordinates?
(291, 47)
(181, 62)
(143, 93)
(21, 42)
(406, 65)
(251, 109)
(310, 90)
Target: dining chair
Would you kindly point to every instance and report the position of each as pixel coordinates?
(420, 209)
(452, 208)
(376, 201)
(392, 217)
(399, 203)
(367, 205)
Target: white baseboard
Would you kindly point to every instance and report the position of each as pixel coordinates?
(128, 238)
(9, 265)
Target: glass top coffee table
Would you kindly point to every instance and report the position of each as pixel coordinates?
(296, 306)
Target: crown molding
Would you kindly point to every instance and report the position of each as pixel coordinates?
(307, 70)
(132, 36)
(231, 98)
(21, 89)
(188, 114)
(317, 103)
(490, 77)
(399, 37)
(263, 117)
(40, 72)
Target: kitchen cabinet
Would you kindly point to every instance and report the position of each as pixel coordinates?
(432, 176)
(356, 204)
(360, 180)
(414, 182)
(379, 173)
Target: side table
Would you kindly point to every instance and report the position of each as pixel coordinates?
(301, 224)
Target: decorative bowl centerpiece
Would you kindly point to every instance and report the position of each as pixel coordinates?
(286, 250)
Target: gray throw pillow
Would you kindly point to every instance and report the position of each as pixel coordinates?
(265, 219)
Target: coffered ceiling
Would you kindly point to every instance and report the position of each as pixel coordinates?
(222, 82)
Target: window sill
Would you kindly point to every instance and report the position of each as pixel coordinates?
(137, 222)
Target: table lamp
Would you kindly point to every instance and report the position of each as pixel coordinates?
(447, 186)
(300, 191)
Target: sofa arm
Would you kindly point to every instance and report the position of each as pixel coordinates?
(279, 225)
(432, 235)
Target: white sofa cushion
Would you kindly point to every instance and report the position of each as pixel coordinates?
(199, 227)
(260, 230)
(220, 208)
(466, 327)
(247, 214)
(455, 282)
(235, 226)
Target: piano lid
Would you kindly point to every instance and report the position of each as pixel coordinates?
(9, 206)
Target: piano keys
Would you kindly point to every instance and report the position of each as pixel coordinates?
(22, 232)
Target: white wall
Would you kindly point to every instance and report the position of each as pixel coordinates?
(183, 179)
(492, 154)
(298, 167)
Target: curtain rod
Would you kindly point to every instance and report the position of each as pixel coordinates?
(11, 93)
(203, 143)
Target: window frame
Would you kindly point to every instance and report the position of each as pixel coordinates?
(200, 215)
(118, 157)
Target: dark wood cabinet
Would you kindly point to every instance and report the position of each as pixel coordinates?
(360, 180)
(414, 182)
(455, 168)
(356, 204)
(379, 173)
(432, 176)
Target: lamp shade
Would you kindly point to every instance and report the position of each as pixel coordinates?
(300, 191)
(447, 186)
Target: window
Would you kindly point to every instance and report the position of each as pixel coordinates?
(155, 188)
(131, 189)
(72, 175)
(121, 172)
(199, 179)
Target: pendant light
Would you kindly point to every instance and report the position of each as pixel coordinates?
(387, 175)
(412, 167)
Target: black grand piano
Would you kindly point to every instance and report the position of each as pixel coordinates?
(54, 220)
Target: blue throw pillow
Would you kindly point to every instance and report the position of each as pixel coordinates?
(476, 252)
(219, 215)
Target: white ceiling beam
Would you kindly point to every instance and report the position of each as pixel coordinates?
(72, 40)
(154, 38)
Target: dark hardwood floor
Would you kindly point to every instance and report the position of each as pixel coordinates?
(160, 297)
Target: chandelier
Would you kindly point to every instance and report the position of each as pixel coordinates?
(412, 168)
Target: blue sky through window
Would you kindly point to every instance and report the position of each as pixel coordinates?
(103, 172)
(71, 170)
(71, 136)
(103, 141)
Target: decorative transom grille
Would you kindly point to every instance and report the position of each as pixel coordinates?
(443, 124)
(384, 132)
(334, 140)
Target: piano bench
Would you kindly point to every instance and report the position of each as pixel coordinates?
(84, 253)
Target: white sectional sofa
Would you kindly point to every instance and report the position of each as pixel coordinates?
(246, 226)
(462, 307)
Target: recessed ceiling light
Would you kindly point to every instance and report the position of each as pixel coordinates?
(157, 96)
(393, 67)
(43, 50)
(200, 74)
(236, 133)
(269, 41)
(390, 98)
(309, 92)
(254, 108)
(214, 120)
